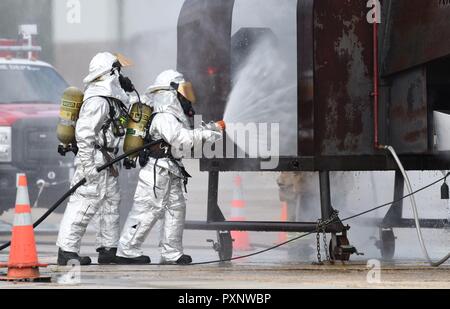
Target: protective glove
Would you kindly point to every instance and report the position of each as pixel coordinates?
(211, 136)
(218, 126)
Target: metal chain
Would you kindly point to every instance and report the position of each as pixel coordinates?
(319, 256)
(321, 225)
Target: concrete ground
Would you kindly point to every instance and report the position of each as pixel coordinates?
(289, 266)
(280, 268)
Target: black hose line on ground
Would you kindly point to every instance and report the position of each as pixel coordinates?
(79, 184)
(437, 264)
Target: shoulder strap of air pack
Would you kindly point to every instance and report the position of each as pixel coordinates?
(111, 115)
(149, 125)
(112, 110)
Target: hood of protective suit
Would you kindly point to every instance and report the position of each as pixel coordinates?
(100, 82)
(163, 98)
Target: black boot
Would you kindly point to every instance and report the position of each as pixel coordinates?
(140, 260)
(64, 257)
(184, 260)
(106, 255)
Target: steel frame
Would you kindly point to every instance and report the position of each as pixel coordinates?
(394, 216)
(316, 152)
(216, 220)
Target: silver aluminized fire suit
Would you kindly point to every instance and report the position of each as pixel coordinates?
(100, 195)
(169, 204)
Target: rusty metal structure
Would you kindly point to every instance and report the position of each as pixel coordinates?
(359, 86)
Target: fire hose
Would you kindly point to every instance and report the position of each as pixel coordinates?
(81, 183)
(415, 211)
(118, 159)
(377, 145)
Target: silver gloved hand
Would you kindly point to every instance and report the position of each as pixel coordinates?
(218, 126)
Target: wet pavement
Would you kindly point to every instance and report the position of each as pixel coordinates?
(289, 266)
(279, 268)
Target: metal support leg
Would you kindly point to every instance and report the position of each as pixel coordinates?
(395, 212)
(325, 195)
(339, 247)
(325, 206)
(224, 244)
(214, 213)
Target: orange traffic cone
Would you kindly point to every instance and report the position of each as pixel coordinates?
(241, 239)
(282, 236)
(23, 262)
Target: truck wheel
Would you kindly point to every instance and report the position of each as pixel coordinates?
(225, 242)
(335, 250)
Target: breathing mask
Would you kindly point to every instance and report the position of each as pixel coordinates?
(186, 97)
(124, 81)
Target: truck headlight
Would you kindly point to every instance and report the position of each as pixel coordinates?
(5, 144)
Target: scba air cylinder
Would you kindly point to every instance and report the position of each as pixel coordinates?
(136, 131)
(71, 102)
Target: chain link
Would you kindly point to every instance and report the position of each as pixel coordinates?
(321, 226)
(319, 256)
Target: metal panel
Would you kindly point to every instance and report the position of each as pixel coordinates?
(419, 162)
(204, 47)
(408, 112)
(343, 78)
(305, 88)
(335, 103)
(261, 226)
(417, 32)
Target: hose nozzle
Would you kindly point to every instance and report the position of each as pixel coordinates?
(221, 124)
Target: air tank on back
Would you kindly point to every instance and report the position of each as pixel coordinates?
(71, 102)
(136, 131)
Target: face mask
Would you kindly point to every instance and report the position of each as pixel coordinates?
(186, 105)
(125, 82)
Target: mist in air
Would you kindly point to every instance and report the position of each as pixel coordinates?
(265, 93)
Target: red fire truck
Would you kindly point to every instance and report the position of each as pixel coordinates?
(30, 92)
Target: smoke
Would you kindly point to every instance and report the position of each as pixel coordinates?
(265, 93)
(151, 38)
(153, 52)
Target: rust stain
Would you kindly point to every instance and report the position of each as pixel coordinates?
(400, 112)
(415, 136)
(343, 61)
